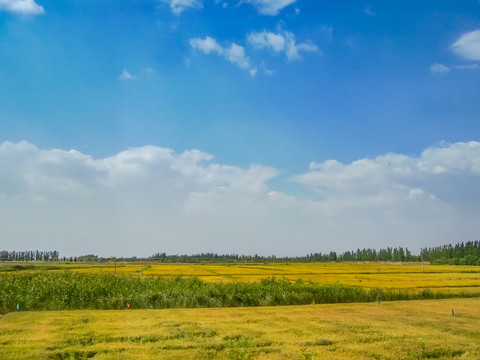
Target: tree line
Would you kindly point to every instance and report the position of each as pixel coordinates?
(467, 253)
(29, 255)
(459, 254)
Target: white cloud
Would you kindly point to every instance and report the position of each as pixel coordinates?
(178, 6)
(415, 194)
(234, 53)
(125, 75)
(465, 67)
(368, 11)
(24, 7)
(468, 46)
(280, 42)
(270, 7)
(207, 45)
(264, 39)
(393, 174)
(149, 199)
(439, 69)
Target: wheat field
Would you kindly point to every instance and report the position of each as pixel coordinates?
(425, 329)
(392, 330)
(449, 278)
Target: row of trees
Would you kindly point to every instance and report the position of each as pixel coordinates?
(29, 255)
(389, 254)
(461, 253)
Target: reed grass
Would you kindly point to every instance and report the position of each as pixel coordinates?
(71, 290)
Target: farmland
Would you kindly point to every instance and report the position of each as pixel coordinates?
(224, 311)
(393, 330)
(412, 276)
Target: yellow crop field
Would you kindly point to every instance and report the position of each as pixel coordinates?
(451, 278)
(414, 276)
(393, 330)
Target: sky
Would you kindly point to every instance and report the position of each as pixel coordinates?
(280, 127)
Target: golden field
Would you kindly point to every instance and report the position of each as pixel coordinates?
(450, 278)
(393, 330)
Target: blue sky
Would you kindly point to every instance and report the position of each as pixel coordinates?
(286, 84)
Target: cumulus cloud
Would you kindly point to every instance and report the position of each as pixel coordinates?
(283, 42)
(236, 55)
(233, 53)
(178, 6)
(150, 188)
(468, 46)
(396, 175)
(149, 199)
(24, 7)
(207, 45)
(270, 7)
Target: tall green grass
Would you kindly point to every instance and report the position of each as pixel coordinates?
(68, 290)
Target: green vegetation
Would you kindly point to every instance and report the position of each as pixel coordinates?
(69, 290)
(459, 254)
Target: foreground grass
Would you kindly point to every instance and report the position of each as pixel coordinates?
(393, 330)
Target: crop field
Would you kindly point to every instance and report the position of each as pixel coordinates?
(445, 278)
(223, 311)
(392, 330)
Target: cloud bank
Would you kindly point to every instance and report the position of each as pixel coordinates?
(149, 199)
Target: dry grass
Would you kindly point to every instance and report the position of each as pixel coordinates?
(396, 330)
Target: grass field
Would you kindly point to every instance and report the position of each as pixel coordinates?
(370, 275)
(393, 330)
